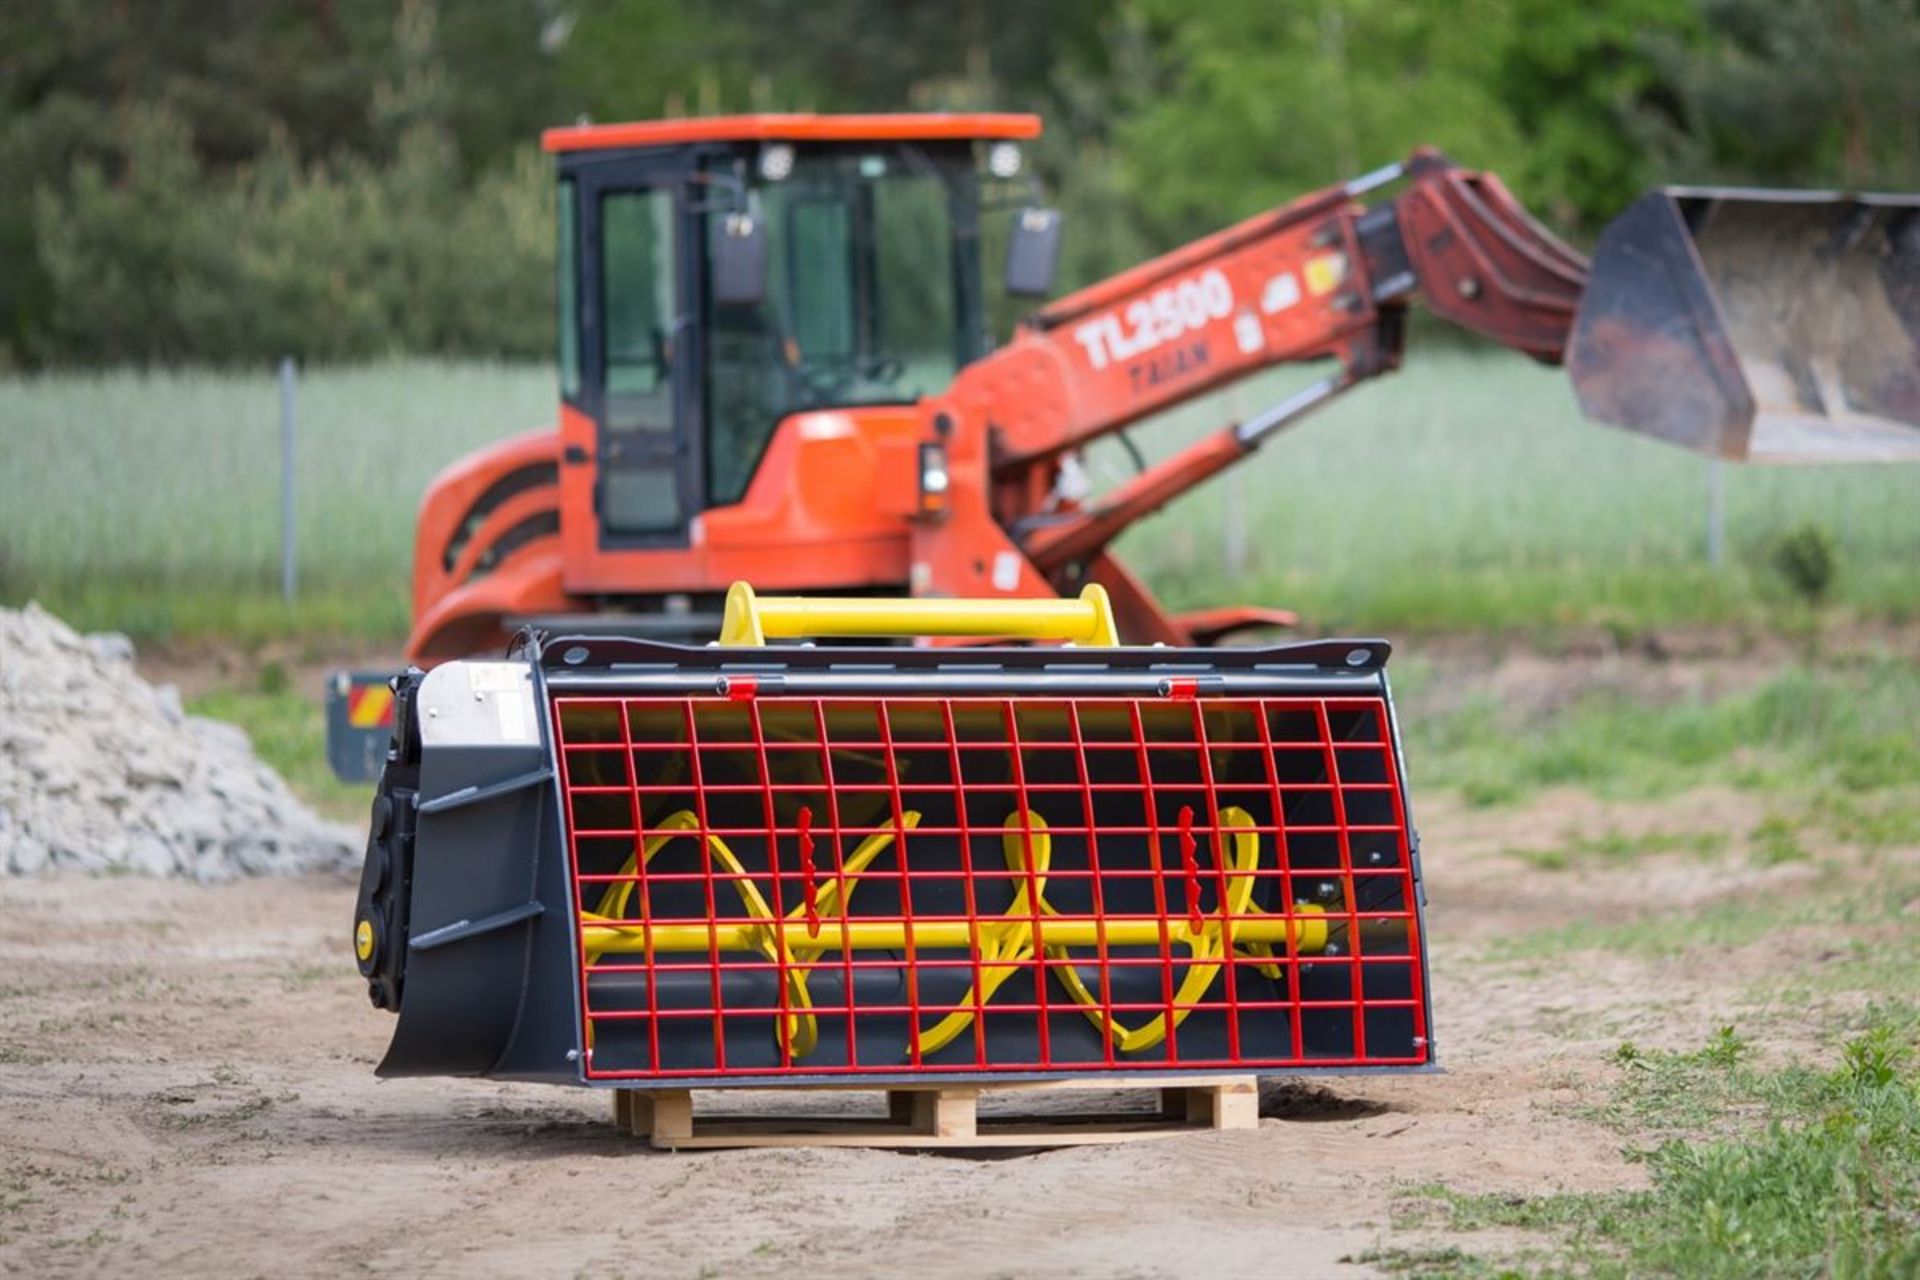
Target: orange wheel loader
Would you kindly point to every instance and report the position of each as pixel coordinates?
(1019, 847)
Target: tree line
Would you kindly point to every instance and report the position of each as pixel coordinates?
(227, 180)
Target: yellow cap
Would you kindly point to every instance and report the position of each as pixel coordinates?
(363, 940)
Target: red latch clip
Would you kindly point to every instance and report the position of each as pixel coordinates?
(805, 833)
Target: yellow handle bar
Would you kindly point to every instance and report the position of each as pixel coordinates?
(752, 620)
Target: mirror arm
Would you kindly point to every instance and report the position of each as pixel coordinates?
(738, 198)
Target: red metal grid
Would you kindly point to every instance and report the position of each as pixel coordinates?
(1004, 885)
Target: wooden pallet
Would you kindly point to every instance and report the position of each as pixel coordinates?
(949, 1116)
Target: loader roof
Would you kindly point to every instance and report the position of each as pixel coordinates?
(790, 127)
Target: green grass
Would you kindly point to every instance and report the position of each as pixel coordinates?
(1756, 1171)
(374, 610)
(1467, 491)
(149, 503)
(1877, 909)
(1617, 848)
(1463, 492)
(1834, 748)
(1758, 1167)
(1847, 726)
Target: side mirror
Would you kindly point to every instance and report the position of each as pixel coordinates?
(1033, 253)
(740, 262)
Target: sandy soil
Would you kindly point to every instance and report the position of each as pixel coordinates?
(186, 1087)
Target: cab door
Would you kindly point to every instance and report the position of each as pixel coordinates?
(637, 357)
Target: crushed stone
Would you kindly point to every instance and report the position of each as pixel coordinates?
(102, 772)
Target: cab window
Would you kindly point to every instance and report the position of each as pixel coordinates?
(863, 302)
(636, 230)
(567, 288)
(639, 481)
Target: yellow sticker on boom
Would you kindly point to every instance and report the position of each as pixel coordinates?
(1325, 272)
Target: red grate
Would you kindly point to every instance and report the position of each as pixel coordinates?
(789, 886)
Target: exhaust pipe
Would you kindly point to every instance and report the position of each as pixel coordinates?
(1757, 326)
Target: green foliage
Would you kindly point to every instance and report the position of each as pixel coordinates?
(1726, 1049)
(1826, 1185)
(1859, 820)
(1877, 1059)
(1776, 840)
(1591, 106)
(1807, 561)
(152, 256)
(273, 680)
(1572, 104)
(1807, 92)
(355, 177)
(234, 74)
(1364, 82)
(1763, 1172)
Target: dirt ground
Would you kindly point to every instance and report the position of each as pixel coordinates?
(186, 1087)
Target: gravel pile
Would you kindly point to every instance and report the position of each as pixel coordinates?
(101, 771)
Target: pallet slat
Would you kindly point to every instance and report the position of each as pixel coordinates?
(947, 1116)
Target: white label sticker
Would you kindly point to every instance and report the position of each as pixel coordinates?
(491, 677)
(1282, 292)
(513, 716)
(1006, 571)
(1249, 334)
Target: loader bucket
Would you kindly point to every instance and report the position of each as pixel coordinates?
(1758, 326)
(637, 864)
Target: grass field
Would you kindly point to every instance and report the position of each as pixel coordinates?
(1777, 1122)
(1787, 1142)
(1464, 492)
(150, 503)
(1756, 1171)
(1749, 1048)
(1467, 491)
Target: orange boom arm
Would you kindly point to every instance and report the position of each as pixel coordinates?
(1325, 277)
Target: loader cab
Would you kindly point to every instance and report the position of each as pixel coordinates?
(718, 276)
